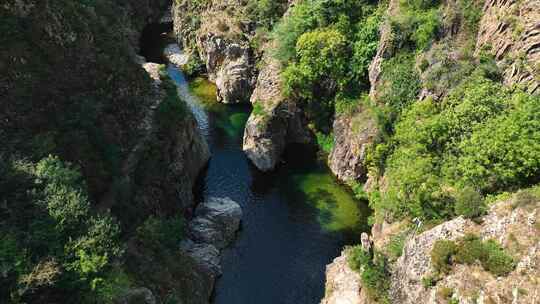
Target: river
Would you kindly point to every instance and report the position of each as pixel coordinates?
(295, 219)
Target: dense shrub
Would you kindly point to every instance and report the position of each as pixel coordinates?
(54, 240)
(481, 136)
(317, 42)
(325, 141)
(441, 255)
(469, 203)
(158, 233)
(266, 12)
(172, 109)
(469, 250)
(416, 25)
(401, 85)
(373, 272)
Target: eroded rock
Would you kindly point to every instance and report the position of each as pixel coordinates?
(353, 135)
(275, 120)
(216, 222)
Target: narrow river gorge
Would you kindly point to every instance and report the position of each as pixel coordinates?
(295, 219)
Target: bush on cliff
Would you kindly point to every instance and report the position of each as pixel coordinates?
(469, 250)
(481, 135)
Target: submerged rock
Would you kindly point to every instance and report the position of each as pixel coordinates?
(216, 222)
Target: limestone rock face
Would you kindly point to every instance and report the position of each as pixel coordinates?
(216, 222)
(228, 65)
(275, 121)
(510, 30)
(415, 263)
(343, 285)
(353, 135)
(220, 43)
(205, 255)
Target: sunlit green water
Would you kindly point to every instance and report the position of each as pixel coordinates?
(337, 210)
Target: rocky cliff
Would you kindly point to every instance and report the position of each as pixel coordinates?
(513, 223)
(275, 121)
(214, 32)
(510, 31)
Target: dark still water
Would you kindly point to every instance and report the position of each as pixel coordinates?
(296, 220)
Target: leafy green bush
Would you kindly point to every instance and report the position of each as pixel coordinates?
(365, 44)
(56, 241)
(441, 255)
(317, 42)
(469, 250)
(158, 233)
(401, 85)
(325, 141)
(504, 152)
(266, 12)
(490, 254)
(417, 25)
(396, 244)
(373, 272)
(469, 203)
(172, 109)
(357, 258)
(66, 202)
(481, 136)
(299, 20)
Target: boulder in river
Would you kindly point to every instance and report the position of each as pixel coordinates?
(205, 255)
(216, 222)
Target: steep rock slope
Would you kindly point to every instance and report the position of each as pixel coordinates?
(513, 223)
(72, 85)
(510, 30)
(275, 122)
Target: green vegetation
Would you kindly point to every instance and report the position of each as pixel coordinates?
(469, 250)
(325, 142)
(481, 135)
(417, 24)
(172, 109)
(50, 239)
(373, 271)
(395, 246)
(441, 255)
(317, 42)
(258, 109)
